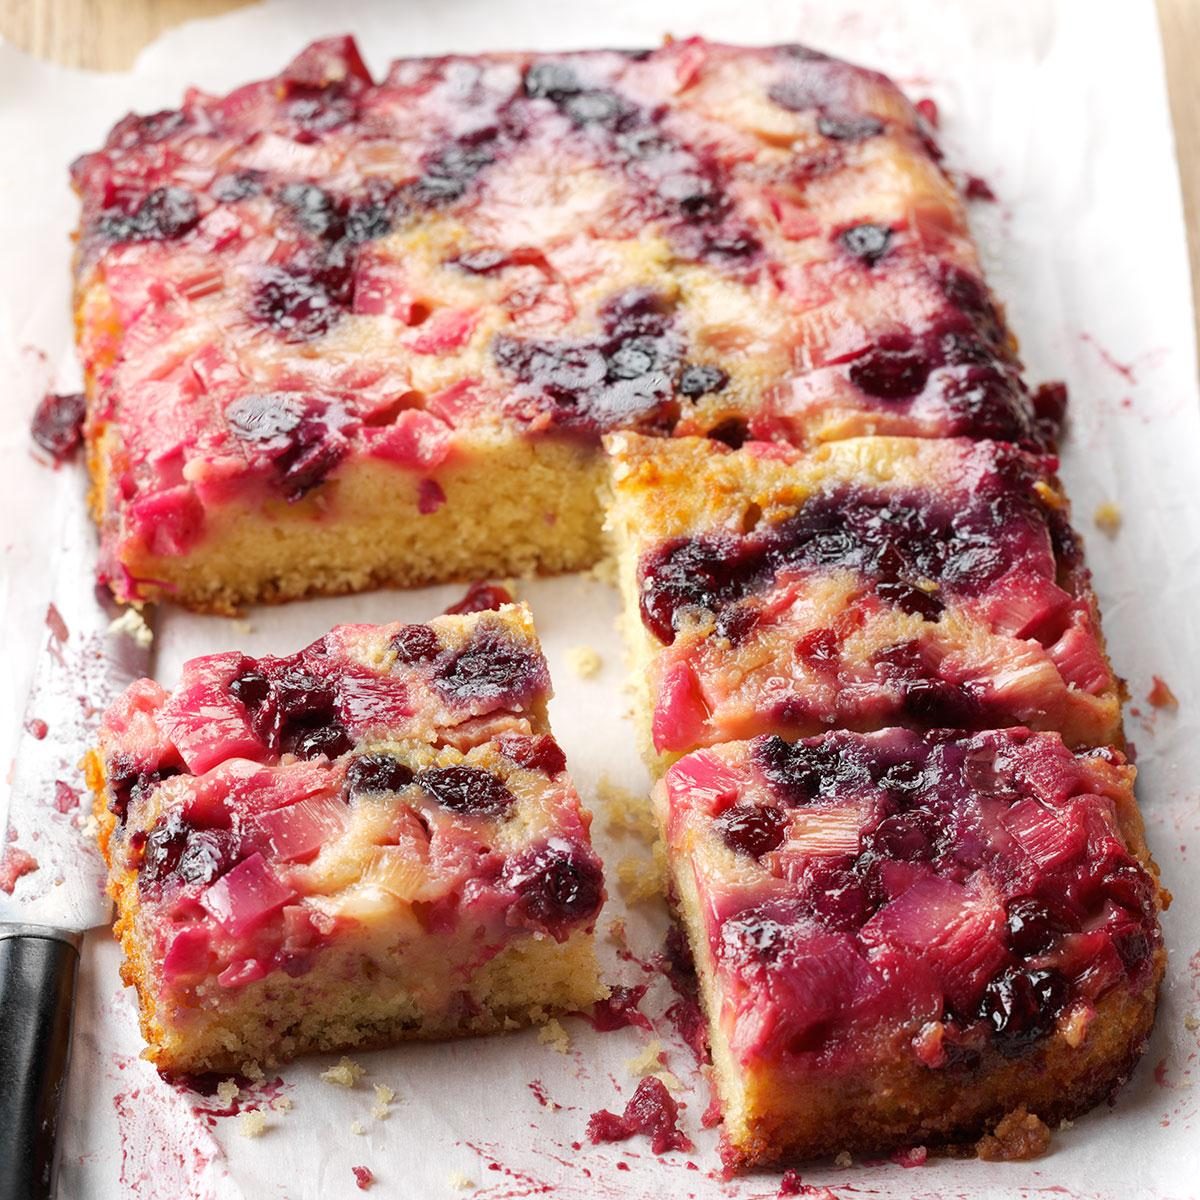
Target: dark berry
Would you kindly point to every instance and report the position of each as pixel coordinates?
(556, 885)
(912, 600)
(597, 107)
(57, 425)
(868, 243)
(467, 790)
(241, 185)
(370, 218)
(331, 740)
(551, 81)
(701, 379)
(491, 668)
(129, 780)
(166, 213)
(737, 623)
(539, 753)
(195, 856)
(252, 688)
(891, 372)
(296, 304)
(1021, 1006)
(799, 772)
(732, 432)
(905, 837)
(376, 773)
(415, 643)
(753, 829)
(313, 209)
(847, 127)
(448, 175)
(795, 95)
(1033, 928)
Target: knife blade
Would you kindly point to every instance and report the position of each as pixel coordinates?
(51, 872)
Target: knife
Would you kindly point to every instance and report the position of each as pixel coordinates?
(85, 662)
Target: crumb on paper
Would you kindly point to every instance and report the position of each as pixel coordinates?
(584, 661)
(1066, 1123)
(357, 1128)
(616, 934)
(252, 1124)
(605, 571)
(346, 1074)
(843, 1160)
(460, 1182)
(1191, 1022)
(643, 879)
(89, 826)
(1107, 518)
(283, 1104)
(242, 626)
(384, 1096)
(253, 1072)
(651, 1062)
(133, 625)
(626, 811)
(552, 1034)
(1019, 1136)
(227, 1092)
(1051, 497)
(1160, 695)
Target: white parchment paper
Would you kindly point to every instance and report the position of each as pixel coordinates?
(1061, 107)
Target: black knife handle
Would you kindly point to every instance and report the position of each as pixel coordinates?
(38, 969)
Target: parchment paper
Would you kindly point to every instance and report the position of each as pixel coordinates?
(1061, 107)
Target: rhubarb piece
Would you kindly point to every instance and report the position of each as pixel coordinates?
(923, 933)
(346, 846)
(870, 582)
(340, 332)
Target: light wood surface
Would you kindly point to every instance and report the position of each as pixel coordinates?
(107, 35)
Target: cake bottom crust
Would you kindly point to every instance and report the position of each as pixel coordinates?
(514, 506)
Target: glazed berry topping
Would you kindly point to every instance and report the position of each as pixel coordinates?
(846, 127)
(448, 175)
(312, 208)
(868, 243)
(166, 213)
(252, 688)
(129, 780)
(651, 1111)
(1033, 927)
(57, 425)
(557, 885)
(174, 848)
(538, 753)
(490, 668)
(241, 185)
(753, 830)
(331, 740)
(549, 80)
(299, 304)
(1022, 1006)
(481, 597)
(466, 790)
(701, 379)
(732, 432)
(376, 773)
(893, 370)
(415, 643)
(800, 772)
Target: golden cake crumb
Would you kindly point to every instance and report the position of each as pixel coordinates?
(641, 879)
(584, 661)
(252, 1124)
(384, 1096)
(554, 1035)
(625, 811)
(843, 1160)
(461, 1182)
(132, 622)
(615, 934)
(252, 1071)
(283, 1104)
(1019, 1136)
(357, 1128)
(227, 1092)
(346, 1074)
(650, 1062)
(1191, 1022)
(1107, 518)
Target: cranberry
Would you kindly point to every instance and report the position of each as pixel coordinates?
(550, 80)
(652, 1111)
(491, 668)
(799, 772)
(912, 600)
(848, 127)
(241, 185)
(135, 131)
(372, 216)
(481, 597)
(128, 780)
(194, 856)
(732, 432)
(57, 425)
(297, 304)
(701, 379)
(1033, 928)
(1021, 1006)
(376, 773)
(313, 209)
(448, 175)
(252, 688)
(619, 1009)
(737, 623)
(331, 740)
(415, 643)
(467, 790)
(753, 830)
(557, 886)
(905, 837)
(868, 243)
(892, 370)
(539, 753)
(166, 213)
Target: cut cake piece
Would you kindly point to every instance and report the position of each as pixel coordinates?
(339, 333)
(374, 838)
(866, 583)
(903, 937)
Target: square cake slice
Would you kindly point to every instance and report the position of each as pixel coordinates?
(866, 583)
(372, 839)
(902, 938)
(340, 332)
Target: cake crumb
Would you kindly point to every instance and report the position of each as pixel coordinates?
(1107, 518)
(844, 1160)
(626, 812)
(1019, 1136)
(1066, 1123)
(461, 1182)
(641, 879)
(1160, 695)
(227, 1092)
(346, 1074)
(384, 1096)
(133, 625)
(554, 1035)
(1191, 1022)
(252, 1124)
(584, 661)
(357, 1128)
(253, 1072)
(242, 626)
(616, 935)
(283, 1104)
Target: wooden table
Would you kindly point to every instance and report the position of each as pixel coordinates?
(107, 34)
